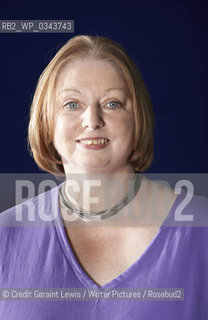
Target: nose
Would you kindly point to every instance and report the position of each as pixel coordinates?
(92, 118)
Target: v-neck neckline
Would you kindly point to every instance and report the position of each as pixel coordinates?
(79, 271)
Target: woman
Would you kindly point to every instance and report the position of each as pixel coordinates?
(92, 122)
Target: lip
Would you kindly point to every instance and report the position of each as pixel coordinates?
(93, 146)
(92, 138)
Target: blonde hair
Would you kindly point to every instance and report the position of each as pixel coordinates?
(41, 127)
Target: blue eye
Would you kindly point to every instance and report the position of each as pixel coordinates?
(114, 104)
(72, 105)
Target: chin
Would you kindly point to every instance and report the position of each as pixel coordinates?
(95, 168)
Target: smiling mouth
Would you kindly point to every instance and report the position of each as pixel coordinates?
(94, 141)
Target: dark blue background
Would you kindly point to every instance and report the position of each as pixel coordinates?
(167, 40)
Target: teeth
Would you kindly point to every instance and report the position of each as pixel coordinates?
(98, 141)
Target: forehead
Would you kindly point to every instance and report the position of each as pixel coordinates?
(90, 73)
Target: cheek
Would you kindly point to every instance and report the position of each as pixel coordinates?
(64, 130)
(125, 127)
(64, 127)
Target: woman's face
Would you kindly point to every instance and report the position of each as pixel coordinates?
(92, 102)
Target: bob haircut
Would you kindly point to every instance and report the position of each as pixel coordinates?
(41, 126)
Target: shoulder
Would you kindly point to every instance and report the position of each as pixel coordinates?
(192, 209)
(187, 225)
(25, 227)
(186, 228)
(188, 210)
(31, 211)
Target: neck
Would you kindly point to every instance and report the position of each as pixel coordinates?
(96, 192)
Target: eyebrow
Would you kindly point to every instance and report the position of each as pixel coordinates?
(69, 90)
(75, 90)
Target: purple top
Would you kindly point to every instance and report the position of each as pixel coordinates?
(35, 257)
